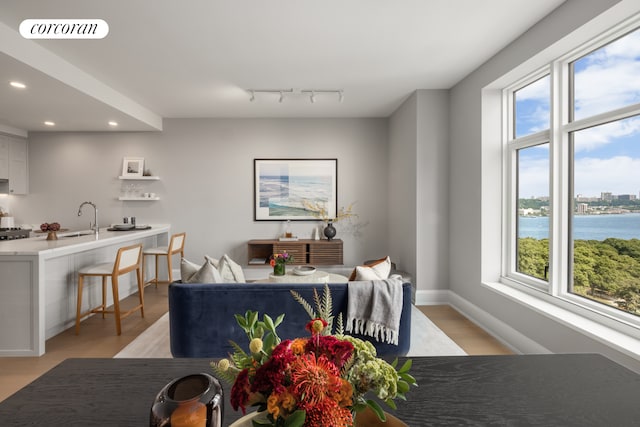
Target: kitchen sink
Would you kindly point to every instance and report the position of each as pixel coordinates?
(77, 234)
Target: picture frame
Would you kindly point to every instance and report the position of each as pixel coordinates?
(132, 167)
(295, 189)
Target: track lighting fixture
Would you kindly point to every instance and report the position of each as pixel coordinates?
(312, 93)
(281, 92)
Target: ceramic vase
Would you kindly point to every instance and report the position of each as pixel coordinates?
(330, 231)
(191, 401)
(52, 235)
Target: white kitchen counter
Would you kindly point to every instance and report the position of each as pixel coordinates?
(38, 283)
(39, 245)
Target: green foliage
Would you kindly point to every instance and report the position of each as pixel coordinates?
(532, 203)
(607, 271)
(533, 257)
(323, 310)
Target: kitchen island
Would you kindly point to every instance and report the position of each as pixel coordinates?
(38, 282)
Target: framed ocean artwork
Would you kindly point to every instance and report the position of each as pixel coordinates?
(295, 189)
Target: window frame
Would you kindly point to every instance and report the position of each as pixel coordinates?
(558, 136)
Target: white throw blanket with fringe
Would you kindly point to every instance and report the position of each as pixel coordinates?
(374, 309)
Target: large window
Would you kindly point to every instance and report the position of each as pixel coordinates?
(573, 152)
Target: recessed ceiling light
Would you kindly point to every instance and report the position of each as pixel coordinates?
(18, 85)
(49, 123)
(112, 123)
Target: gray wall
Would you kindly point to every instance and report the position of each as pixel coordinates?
(467, 262)
(418, 180)
(206, 186)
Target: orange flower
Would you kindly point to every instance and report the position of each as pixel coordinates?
(297, 346)
(328, 413)
(314, 378)
(281, 405)
(272, 405)
(344, 396)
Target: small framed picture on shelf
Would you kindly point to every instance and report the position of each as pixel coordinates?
(133, 167)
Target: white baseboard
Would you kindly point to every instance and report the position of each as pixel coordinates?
(432, 297)
(511, 338)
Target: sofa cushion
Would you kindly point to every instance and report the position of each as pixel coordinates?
(194, 273)
(230, 270)
(376, 270)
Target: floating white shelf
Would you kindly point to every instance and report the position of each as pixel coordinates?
(138, 198)
(139, 178)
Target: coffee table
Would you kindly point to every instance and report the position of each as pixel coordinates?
(317, 277)
(541, 390)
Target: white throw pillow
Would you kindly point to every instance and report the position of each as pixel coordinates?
(194, 273)
(230, 271)
(375, 272)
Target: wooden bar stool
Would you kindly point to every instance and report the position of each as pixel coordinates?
(127, 260)
(176, 245)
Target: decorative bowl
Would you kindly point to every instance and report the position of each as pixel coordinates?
(304, 270)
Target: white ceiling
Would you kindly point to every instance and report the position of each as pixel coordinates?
(196, 58)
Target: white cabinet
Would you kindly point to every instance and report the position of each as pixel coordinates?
(13, 165)
(18, 172)
(4, 157)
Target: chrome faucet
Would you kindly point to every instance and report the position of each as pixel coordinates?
(95, 215)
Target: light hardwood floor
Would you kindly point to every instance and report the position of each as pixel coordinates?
(469, 336)
(98, 339)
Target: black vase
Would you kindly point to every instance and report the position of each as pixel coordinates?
(330, 231)
(194, 398)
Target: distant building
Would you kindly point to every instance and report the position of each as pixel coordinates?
(626, 197)
(582, 208)
(527, 211)
(606, 196)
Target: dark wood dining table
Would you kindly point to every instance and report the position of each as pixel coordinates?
(519, 390)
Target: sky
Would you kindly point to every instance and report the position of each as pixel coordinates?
(607, 157)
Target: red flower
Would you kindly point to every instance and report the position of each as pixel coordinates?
(334, 349)
(240, 391)
(272, 374)
(315, 326)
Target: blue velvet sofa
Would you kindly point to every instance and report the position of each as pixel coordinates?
(202, 315)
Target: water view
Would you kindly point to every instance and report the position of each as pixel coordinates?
(585, 227)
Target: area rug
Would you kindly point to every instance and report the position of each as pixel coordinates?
(426, 340)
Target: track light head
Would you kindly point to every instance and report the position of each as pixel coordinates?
(340, 96)
(253, 96)
(281, 97)
(312, 98)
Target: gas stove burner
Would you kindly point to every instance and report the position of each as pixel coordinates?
(13, 233)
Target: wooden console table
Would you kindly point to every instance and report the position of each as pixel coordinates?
(304, 251)
(532, 390)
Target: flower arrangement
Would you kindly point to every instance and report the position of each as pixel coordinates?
(283, 258)
(319, 210)
(278, 261)
(317, 381)
(51, 226)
